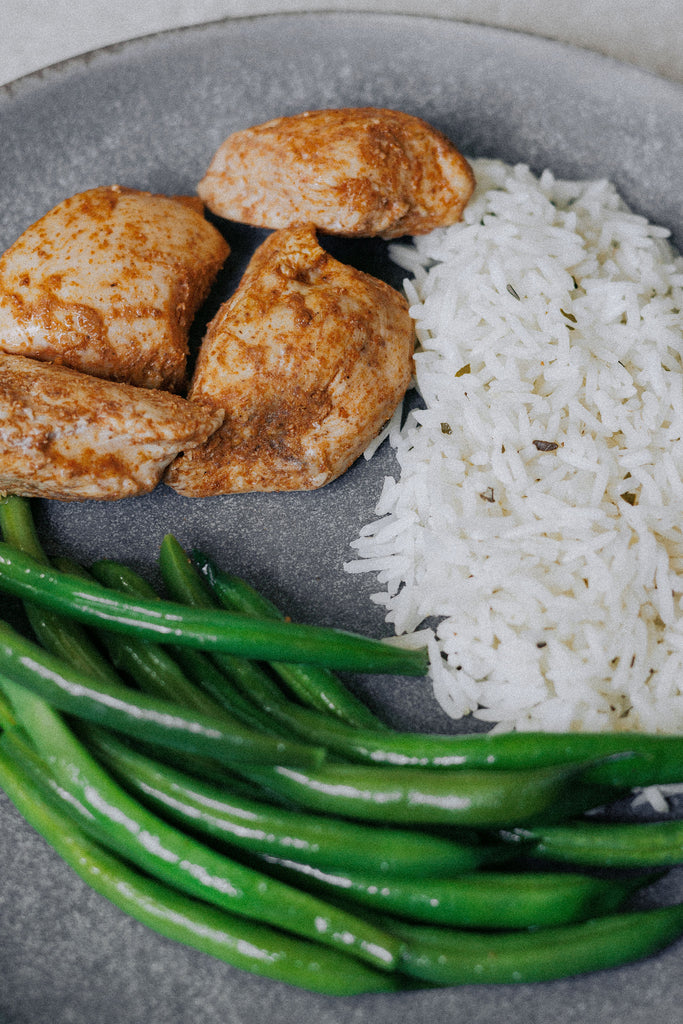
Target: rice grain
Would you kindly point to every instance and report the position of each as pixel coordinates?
(538, 512)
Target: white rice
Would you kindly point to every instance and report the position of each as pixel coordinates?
(534, 537)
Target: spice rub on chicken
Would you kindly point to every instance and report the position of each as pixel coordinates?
(108, 282)
(308, 359)
(71, 436)
(355, 171)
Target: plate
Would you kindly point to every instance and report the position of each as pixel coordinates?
(149, 114)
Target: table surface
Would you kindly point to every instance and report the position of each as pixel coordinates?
(43, 32)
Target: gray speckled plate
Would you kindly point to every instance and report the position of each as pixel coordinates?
(149, 114)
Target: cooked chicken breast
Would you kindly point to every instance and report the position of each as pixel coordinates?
(108, 282)
(308, 359)
(363, 172)
(71, 436)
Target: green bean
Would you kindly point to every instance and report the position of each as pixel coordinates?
(182, 580)
(62, 636)
(18, 527)
(119, 576)
(638, 759)
(274, 711)
(7, 719)
(611, 760)
(178, 859)
(627, 759)
(197, 667)
(372, 746)
(152, 667)
(442, 956)
(318, 687)
(248, 945)
(605, 844)
(235, 592)
(485, 900)
(184, 585)
(217, 684)
(170, 622)
(278, 711)
(475, 798)
(260, 828)
(66, 639)
(138, 714)
(603, 770)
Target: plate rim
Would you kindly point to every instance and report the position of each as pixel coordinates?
(88, 56)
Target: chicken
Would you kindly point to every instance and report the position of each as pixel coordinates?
(355, 172)
(308, 358)
(108, 282)
(71, 436)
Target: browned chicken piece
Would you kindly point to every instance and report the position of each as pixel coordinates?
(357, 171)
(72, 436)
(308, 358)
(108, 282)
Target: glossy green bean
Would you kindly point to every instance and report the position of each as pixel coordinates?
(300, 836)
(7, 719)
(271, 709)
(619, 770)
(252, 681)
(170, 622)
(605, 844)
(67, 640)
(18, 526)
(442, 956)
(643, 759)
(63, 637)
(178, 859)
(248, 945)
(198, 668)
(625, 759)
(354, 743)
(152, 667)
(219, 684)
(475, 798)
(317, 687)
(138, 714)
(485, 900)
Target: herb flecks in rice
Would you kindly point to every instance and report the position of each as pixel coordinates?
(559, 601)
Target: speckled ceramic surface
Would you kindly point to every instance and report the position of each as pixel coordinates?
(150, 114)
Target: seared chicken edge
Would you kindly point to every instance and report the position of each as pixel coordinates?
(308, 358)
(71, 436)
(108, 282)
(363, 172)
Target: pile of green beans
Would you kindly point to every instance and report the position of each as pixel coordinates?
(195, 758)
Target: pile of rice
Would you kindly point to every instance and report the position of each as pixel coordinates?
(537, 522)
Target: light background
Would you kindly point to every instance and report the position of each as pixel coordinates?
(35, 33)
